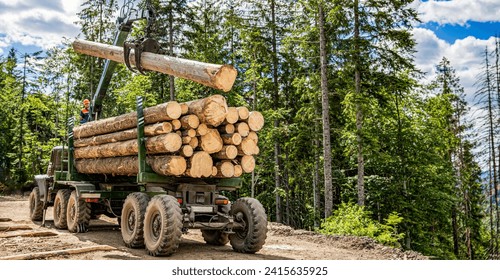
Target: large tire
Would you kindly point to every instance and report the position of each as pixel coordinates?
(134, 209)
(217, 237)
(252, 215)
(36, 205)
(61, 208)
(162, 225)
(78, 214)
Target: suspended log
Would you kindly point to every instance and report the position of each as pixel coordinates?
(216, 76)
(227, 152)
(231, 139)
(211, 110)
(164, 165)
(149, 130)
(159, 113)
(211, 142)
(255, 121)
(247, 163)
(164, 143)
(199, 165)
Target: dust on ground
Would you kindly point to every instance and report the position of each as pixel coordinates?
(282, 243)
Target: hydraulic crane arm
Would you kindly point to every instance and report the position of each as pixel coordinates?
(130, 12)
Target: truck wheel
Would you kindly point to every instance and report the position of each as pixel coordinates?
(250, 213)
(134, 209)
(60, 208)
(36, 205)
(162, 225)
(77, 214)
(217, 237)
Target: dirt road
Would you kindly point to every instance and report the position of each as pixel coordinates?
(282, 243)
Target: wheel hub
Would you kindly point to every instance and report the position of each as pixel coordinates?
(131, 221)
(156, 225)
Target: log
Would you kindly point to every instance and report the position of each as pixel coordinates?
(226, 129)
(57, 253)
(227, 152)
(247, 163)
(164, 165)
(255, 121)
(216, 76)
(5, 220)
(31, 234)
(186, 151)
(243, 113)
(211, 110)
(168, 165)
(159, 113)
(238, 171)
(186, 139)
(190, 121)
(149, 130)
(189, 132)
(247, 147)
(184, 109)
(164, 143)
(202, 129)
(253, 136)
(231, 139)
(211, 142)
(199, 165)
(232, 115)
(14, 227)
(225, 169)
(214, 171)
(176, 124)
(194, 142)
(242, 128)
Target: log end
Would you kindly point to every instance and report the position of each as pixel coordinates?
(225, 77)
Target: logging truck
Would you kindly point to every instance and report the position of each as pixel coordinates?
(159, 171)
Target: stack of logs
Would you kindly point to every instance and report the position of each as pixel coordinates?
(201, 138)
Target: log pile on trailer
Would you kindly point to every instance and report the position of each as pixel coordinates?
(199, 139)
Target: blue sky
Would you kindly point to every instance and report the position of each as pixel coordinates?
(456, 29)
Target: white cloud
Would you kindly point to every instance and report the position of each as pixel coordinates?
(465, 55)
(39, 23)
(458, 11)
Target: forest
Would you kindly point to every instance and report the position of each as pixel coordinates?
(354, 142)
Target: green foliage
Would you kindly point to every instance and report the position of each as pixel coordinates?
(352, 219)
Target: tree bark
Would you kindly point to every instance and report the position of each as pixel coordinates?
(212, 75)
(165, 143)
(359, 111)
(149, 130)
(327, 152)
(159, 113)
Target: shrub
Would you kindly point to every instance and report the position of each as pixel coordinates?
(352, 219)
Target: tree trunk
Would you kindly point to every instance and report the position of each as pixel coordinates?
(327, 151)
(359, 111)
(212, 75)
